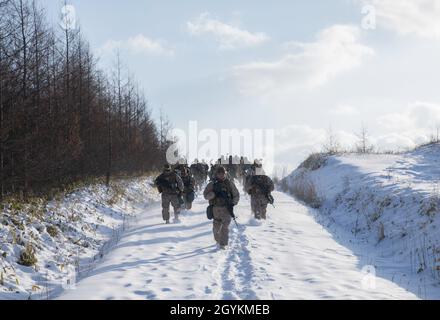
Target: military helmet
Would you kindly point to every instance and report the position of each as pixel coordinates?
(221, 169)
(258, 164)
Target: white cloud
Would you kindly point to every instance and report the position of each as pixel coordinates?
(414, 125)
(418, 115)
(138, 44)
(336, 50)
(228, 36)
(417, 17)
(295, 142)
(344, 110)
(394, 131)
(398, 141)
(298, 137)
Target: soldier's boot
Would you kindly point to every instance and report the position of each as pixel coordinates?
(176, 207)
(166, 214)
(216, 231)
(264, 213)
(257, 215)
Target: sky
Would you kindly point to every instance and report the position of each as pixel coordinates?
(295, 67)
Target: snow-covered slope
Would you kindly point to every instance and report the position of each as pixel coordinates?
(388, 205)
(290, 256)
(68, 235)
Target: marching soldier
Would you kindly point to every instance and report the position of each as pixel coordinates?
(259, 187)
(170, 185)
(188, 188)
(223, 196)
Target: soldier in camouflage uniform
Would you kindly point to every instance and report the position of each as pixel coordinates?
(205, 171)
(223, 196)
(188, 188)
(260, 187)
(170, 185)
(198, 172)
(213, 170)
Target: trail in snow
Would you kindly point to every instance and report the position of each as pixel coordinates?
(290, 256)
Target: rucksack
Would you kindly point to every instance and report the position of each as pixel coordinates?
(167, 182)
(263, 182)
(190, 196)
(210, 212)
(222, 189)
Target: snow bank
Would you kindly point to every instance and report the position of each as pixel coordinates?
(387, 203)
(66, 236)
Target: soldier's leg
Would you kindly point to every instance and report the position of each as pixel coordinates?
(165, 207)
(217, 224)
(176, 205)
(224, 231)
(264, 211)
(255, 207)
(264, 202)
(188, 203)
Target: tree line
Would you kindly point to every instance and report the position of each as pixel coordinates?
(62, 118)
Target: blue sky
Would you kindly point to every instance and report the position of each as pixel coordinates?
(293, 66)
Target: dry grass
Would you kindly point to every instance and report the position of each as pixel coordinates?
(27, 256)
(315, 161)
(305, 190)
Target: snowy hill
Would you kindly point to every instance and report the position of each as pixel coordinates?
(388, 205)
(67, 236)
(289, 256)
(116, 246)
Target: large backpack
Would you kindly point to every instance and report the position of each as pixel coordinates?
(263, 182)
(167, 182)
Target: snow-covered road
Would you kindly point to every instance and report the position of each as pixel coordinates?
(290, 256)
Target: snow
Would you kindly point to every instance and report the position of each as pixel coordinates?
(89, 220)
(375, 237)
(289, 256)
(385, 206)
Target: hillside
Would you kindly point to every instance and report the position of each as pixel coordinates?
(387, 204)
(48, 246)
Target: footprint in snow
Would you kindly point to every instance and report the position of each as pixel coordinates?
(147, 294)
(229, 296)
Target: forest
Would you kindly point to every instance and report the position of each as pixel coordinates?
(62, 118)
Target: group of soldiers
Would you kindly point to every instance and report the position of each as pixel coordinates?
(178, 185)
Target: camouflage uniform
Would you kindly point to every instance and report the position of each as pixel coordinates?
(198, 172)
(170, 190)
(222, 215)
(205, 167)
(188, 189)
(259, 187)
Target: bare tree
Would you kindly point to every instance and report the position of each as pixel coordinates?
(61, 118)
(435, 136)
(363, 145)
(331, 145)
